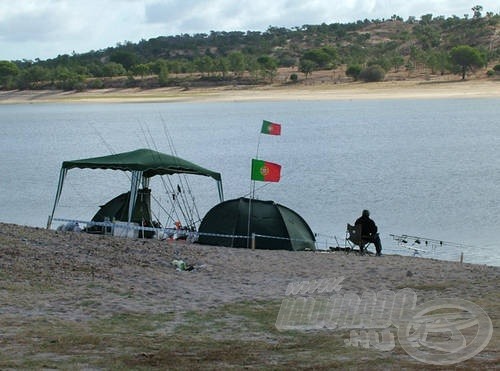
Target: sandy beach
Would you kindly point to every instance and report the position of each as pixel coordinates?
(317, 90)
(79, 301)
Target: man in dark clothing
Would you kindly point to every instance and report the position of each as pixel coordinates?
(369, 231)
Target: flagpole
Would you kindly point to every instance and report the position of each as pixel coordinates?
(252, 187)
(266, 128)
(252, 194)
(249, 217)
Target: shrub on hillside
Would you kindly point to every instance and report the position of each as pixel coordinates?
(96, 84)
(372, 73)
(353, 71)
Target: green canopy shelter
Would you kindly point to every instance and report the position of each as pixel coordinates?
(276, 226)
(143, 164)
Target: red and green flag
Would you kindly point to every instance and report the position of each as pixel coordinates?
(265, 171)
(270, 128)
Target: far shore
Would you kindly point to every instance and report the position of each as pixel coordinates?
(410, 89)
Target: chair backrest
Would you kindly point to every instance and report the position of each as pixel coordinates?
(354, 234)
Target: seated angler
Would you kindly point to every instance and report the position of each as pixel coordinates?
(369, 231)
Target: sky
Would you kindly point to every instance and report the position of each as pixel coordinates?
(44, 29)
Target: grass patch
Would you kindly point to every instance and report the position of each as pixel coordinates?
(232, 336)
(427, 286)
(244, 335)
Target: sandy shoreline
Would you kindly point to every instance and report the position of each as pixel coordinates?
(327, 91)
(77, 278)
(227, 273)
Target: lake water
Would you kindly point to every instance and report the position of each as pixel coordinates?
(428, 168)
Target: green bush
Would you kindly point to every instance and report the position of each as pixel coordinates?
(372, 73)
(131, 82)
(294, 77)
(79, 86)
(96, 84)
(353, 71)
(72, 83)
(383, 63)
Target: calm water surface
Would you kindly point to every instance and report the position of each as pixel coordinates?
(426, 168)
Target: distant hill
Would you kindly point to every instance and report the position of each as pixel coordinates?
(401, 48)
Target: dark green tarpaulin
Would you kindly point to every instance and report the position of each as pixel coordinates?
(277, 227)
(143, 164)
(150, 162)
(117, 209)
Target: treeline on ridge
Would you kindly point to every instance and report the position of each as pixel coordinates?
(364, 50)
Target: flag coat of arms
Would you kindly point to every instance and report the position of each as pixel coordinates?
(270, 128)
(265, 171)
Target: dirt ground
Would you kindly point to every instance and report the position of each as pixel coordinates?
(71, 299)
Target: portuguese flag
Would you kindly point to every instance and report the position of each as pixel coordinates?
(265, 171)
(270, 128)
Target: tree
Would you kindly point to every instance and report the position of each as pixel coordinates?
(438, 61)
(175, 66)
(95, 69)
(125, 58)
(32, 75)
(396, 61)
(221, 65)
(324, 57)
(113, 69)
(477, 11)
(307, 66)
(466, 58)
(237, 63)
(381, 61)
(268, 66)
(204, 64)
(163, 75)
(156, 66)
(428, 36)
(67, 79)
(252, 66)
(353, 71)
(8, 70)
(141, 69)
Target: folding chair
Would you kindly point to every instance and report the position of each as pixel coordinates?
(353, 238)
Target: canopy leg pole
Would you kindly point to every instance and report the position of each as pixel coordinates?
(49, 221)
(134, 186)
(62, 175)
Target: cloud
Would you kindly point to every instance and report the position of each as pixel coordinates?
(53, 27)
(194, 16)
(46, 28)
(30, 25)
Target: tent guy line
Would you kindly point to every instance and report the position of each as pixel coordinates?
(170, 231)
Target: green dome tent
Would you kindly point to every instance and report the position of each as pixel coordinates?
(117, 209)
(276, 227)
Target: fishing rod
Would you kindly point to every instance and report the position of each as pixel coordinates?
(108, 147)
(192, 208)
(113, 152)
(404, 238)
(170, 191)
